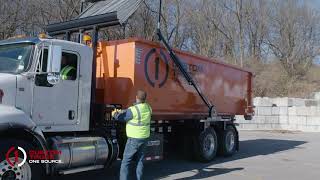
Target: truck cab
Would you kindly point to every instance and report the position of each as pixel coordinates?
(30, 83)
(42, 112)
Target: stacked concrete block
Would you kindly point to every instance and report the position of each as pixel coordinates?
(262, 102)
(260, 119)
(313, 120)
(294, 114)
(272, 119)
(284, 102)
(284, 119)
(297, 102)
(312, 111)
(303, 111)
(275, 111)
(276, 127)
(316, 95)
(283, 111)
(248, 126)
(264, 111)
(311, 102)
(292, 111)
(299, 120)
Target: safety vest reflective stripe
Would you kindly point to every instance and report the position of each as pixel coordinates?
(136, 124)
(65, 71)
(139, 114)
(139, 118)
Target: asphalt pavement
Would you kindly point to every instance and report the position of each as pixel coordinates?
(262, 156)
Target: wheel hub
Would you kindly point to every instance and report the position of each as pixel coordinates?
(230, 138)
(8, 172)
(9, 175)
(208, 145)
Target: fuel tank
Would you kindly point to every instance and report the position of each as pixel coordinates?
(77, 152)
(125, 66)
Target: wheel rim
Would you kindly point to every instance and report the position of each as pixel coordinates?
(230, 141)
(208, 145)
(8, 172)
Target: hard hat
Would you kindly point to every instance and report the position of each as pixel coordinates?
(86, 37)
(42, 35)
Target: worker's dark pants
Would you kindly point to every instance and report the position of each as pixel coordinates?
(133, 155)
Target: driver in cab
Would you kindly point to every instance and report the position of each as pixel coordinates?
(68, 70)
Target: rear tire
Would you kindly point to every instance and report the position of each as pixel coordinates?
(205, 145)
(228, 143)
(26, 171)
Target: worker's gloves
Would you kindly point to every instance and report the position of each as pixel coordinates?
(115, 112)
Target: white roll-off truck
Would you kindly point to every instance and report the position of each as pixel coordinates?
(51, 126)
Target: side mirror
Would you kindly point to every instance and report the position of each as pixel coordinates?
(54, 59)
(53, 78)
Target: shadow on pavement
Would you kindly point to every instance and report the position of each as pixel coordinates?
(257, 147)
(248, 148)
(209, 172)
(176, 164)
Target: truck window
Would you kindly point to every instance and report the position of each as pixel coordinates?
(41, 78)
(15, 58)
(69, 64)
(42, 65)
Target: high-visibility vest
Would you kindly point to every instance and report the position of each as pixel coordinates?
(139, 125)
(65, 71)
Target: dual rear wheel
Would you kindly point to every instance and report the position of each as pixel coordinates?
(209, 143)
(228, 141)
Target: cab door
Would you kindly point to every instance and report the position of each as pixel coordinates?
(55, 105)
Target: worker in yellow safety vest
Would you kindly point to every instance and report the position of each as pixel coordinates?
(137, 118)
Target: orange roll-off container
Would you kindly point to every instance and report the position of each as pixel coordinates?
(125, 66)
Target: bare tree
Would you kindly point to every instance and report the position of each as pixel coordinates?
(256, 28)
(294, 37)
(237, 31)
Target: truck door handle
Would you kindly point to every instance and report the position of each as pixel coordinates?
(71, 115)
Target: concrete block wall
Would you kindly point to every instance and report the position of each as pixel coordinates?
(294, 114)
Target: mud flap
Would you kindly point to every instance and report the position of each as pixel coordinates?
(154, 149)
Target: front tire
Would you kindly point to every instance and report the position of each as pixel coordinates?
(26, 171)
(205, 145)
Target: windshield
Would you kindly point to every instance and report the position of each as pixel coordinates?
(15, 58)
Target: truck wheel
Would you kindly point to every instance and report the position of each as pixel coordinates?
(26, 171)
(205, 145)
(229, 139)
